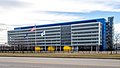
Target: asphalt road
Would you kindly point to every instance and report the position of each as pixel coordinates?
(29, 62)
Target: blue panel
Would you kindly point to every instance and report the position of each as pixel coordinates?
(103, 21)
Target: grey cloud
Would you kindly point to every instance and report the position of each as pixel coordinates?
(77, 14)
(116, 6)
(61, 13)
(2, 29)
(46, 20)
(11, 3)
(2, 24)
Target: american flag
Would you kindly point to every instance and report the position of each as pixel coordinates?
(33, 29)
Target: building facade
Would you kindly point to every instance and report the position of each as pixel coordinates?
(79, 35)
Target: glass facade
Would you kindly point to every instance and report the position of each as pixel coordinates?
(86, 34)
(79, 33)
(27, 37)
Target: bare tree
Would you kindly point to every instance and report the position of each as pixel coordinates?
(116, 41)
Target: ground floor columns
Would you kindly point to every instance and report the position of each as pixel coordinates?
(55, 48)
(91, 48)
(60, 48)
(97, 48)
(77, 48)
(45, 48)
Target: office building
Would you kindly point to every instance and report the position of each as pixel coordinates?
(94, 34)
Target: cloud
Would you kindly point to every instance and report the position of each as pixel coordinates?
(64, 13)
(83, 6)
(29, 12)
(50, 10)
(2, 24)
(11, 3)
(77, 5)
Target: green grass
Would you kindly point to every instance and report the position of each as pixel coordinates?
(62, 55)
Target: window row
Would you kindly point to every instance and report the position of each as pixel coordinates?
(84, 29)
(83, 42)
(85, 25)
(85, 35)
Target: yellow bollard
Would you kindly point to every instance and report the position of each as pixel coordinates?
(37, 48)
(51, 48)
(67, 48)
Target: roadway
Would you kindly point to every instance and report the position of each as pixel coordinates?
(34, 62)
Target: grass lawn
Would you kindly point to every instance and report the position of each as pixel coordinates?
(63, 55)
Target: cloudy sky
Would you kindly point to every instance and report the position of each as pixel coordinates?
(14, 13)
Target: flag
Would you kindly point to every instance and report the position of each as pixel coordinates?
(26, 35)
(33, 29)
(43, 33)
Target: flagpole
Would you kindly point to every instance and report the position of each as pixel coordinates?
(27, 44)
(35, 35)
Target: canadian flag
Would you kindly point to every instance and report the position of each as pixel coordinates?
(43, 33)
